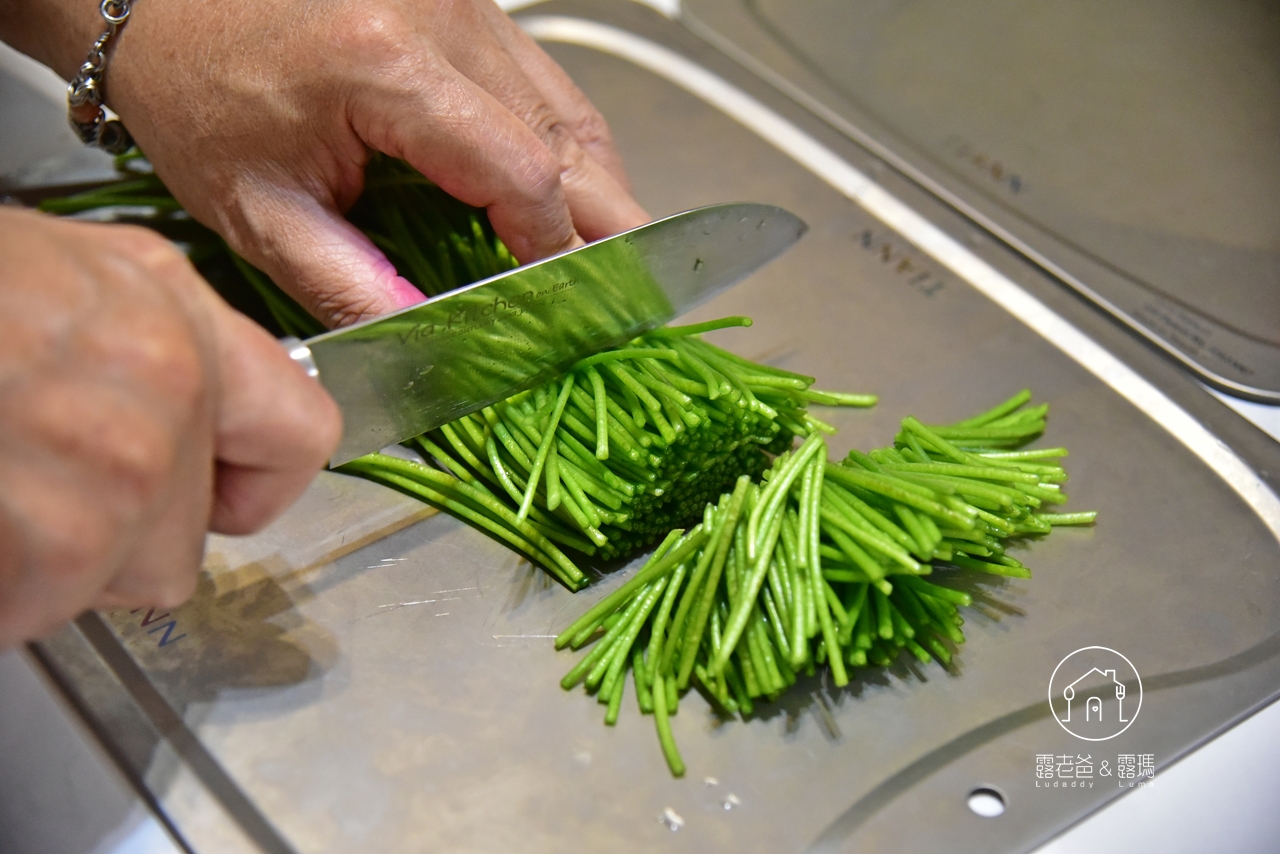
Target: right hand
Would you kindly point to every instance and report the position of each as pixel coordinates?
(137, 411)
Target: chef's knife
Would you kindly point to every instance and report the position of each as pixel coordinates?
(403, 374)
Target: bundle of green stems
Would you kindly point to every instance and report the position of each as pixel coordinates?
(823, 564)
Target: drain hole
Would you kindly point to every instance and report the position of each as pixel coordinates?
(986, 802)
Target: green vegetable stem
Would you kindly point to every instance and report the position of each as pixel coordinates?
(609, 457)
(828, 564)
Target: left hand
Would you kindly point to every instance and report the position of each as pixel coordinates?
(260, 115)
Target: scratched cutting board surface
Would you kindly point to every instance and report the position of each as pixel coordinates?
(371, 675)
(1133, 147)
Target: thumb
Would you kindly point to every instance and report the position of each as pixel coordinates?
(275, 426)
(324, 262)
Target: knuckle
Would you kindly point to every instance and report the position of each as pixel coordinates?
(546, 125)
(373, 31)
(147, 247)
(537, 173)
(324, 433)
(573, 162)
(591, 129)
(139, 458)
(560, 140)
(172, 592)
(85, 550)
(162, 354)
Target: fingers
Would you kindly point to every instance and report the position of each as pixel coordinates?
(477, 125)
(506, 65)
(136, 411)
(528, 83)
(265, 431)
(276, 427)
(173, 384)
(598, 204)
(319, 258)
(460, 136)
(105, 421)
(583, 121)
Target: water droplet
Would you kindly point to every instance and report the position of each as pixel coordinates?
(732, 801)
(671, 819)
(582, 757)
(711, 781)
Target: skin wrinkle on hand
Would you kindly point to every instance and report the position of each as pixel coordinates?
(400, 289)
(111, 431)
(290, 111)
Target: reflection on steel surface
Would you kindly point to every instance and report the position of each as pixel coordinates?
(1129, 152)
(400, 375)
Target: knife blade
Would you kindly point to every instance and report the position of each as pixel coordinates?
(405, 373)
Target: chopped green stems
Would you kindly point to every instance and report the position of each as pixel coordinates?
(834, 658)
(615, 702)
(748, 590)
(677, 631)
(602, 413)
(545, 448)
(668, 742)
(699, 328)
(933, 439)
(461, 498)
(625, 353)
(658, 632)
(1087, 517)
(628, 433)
(999, 410)
(1034, 454)
(820, 563)
(783, 476)
(644, 696)
(835, 398)
(600, 652)
(622, 658)
(686, 546)
(712, 587)
(956, 470)
(586, 627)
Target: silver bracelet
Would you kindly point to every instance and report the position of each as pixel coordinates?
(89, 118)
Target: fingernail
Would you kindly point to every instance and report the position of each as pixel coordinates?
(403, 293)
(400, 290)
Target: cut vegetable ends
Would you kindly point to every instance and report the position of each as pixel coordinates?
(823, 564)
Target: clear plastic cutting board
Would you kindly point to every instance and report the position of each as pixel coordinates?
(1130, 148)
(371, 675)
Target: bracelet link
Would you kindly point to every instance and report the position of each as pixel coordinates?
(116, 12)
(89, 118)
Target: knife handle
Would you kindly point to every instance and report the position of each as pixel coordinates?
(301, 353)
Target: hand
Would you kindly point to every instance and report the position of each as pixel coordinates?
(137, 410)
(259, 115)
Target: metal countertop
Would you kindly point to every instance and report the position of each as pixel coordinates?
(369, 673)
